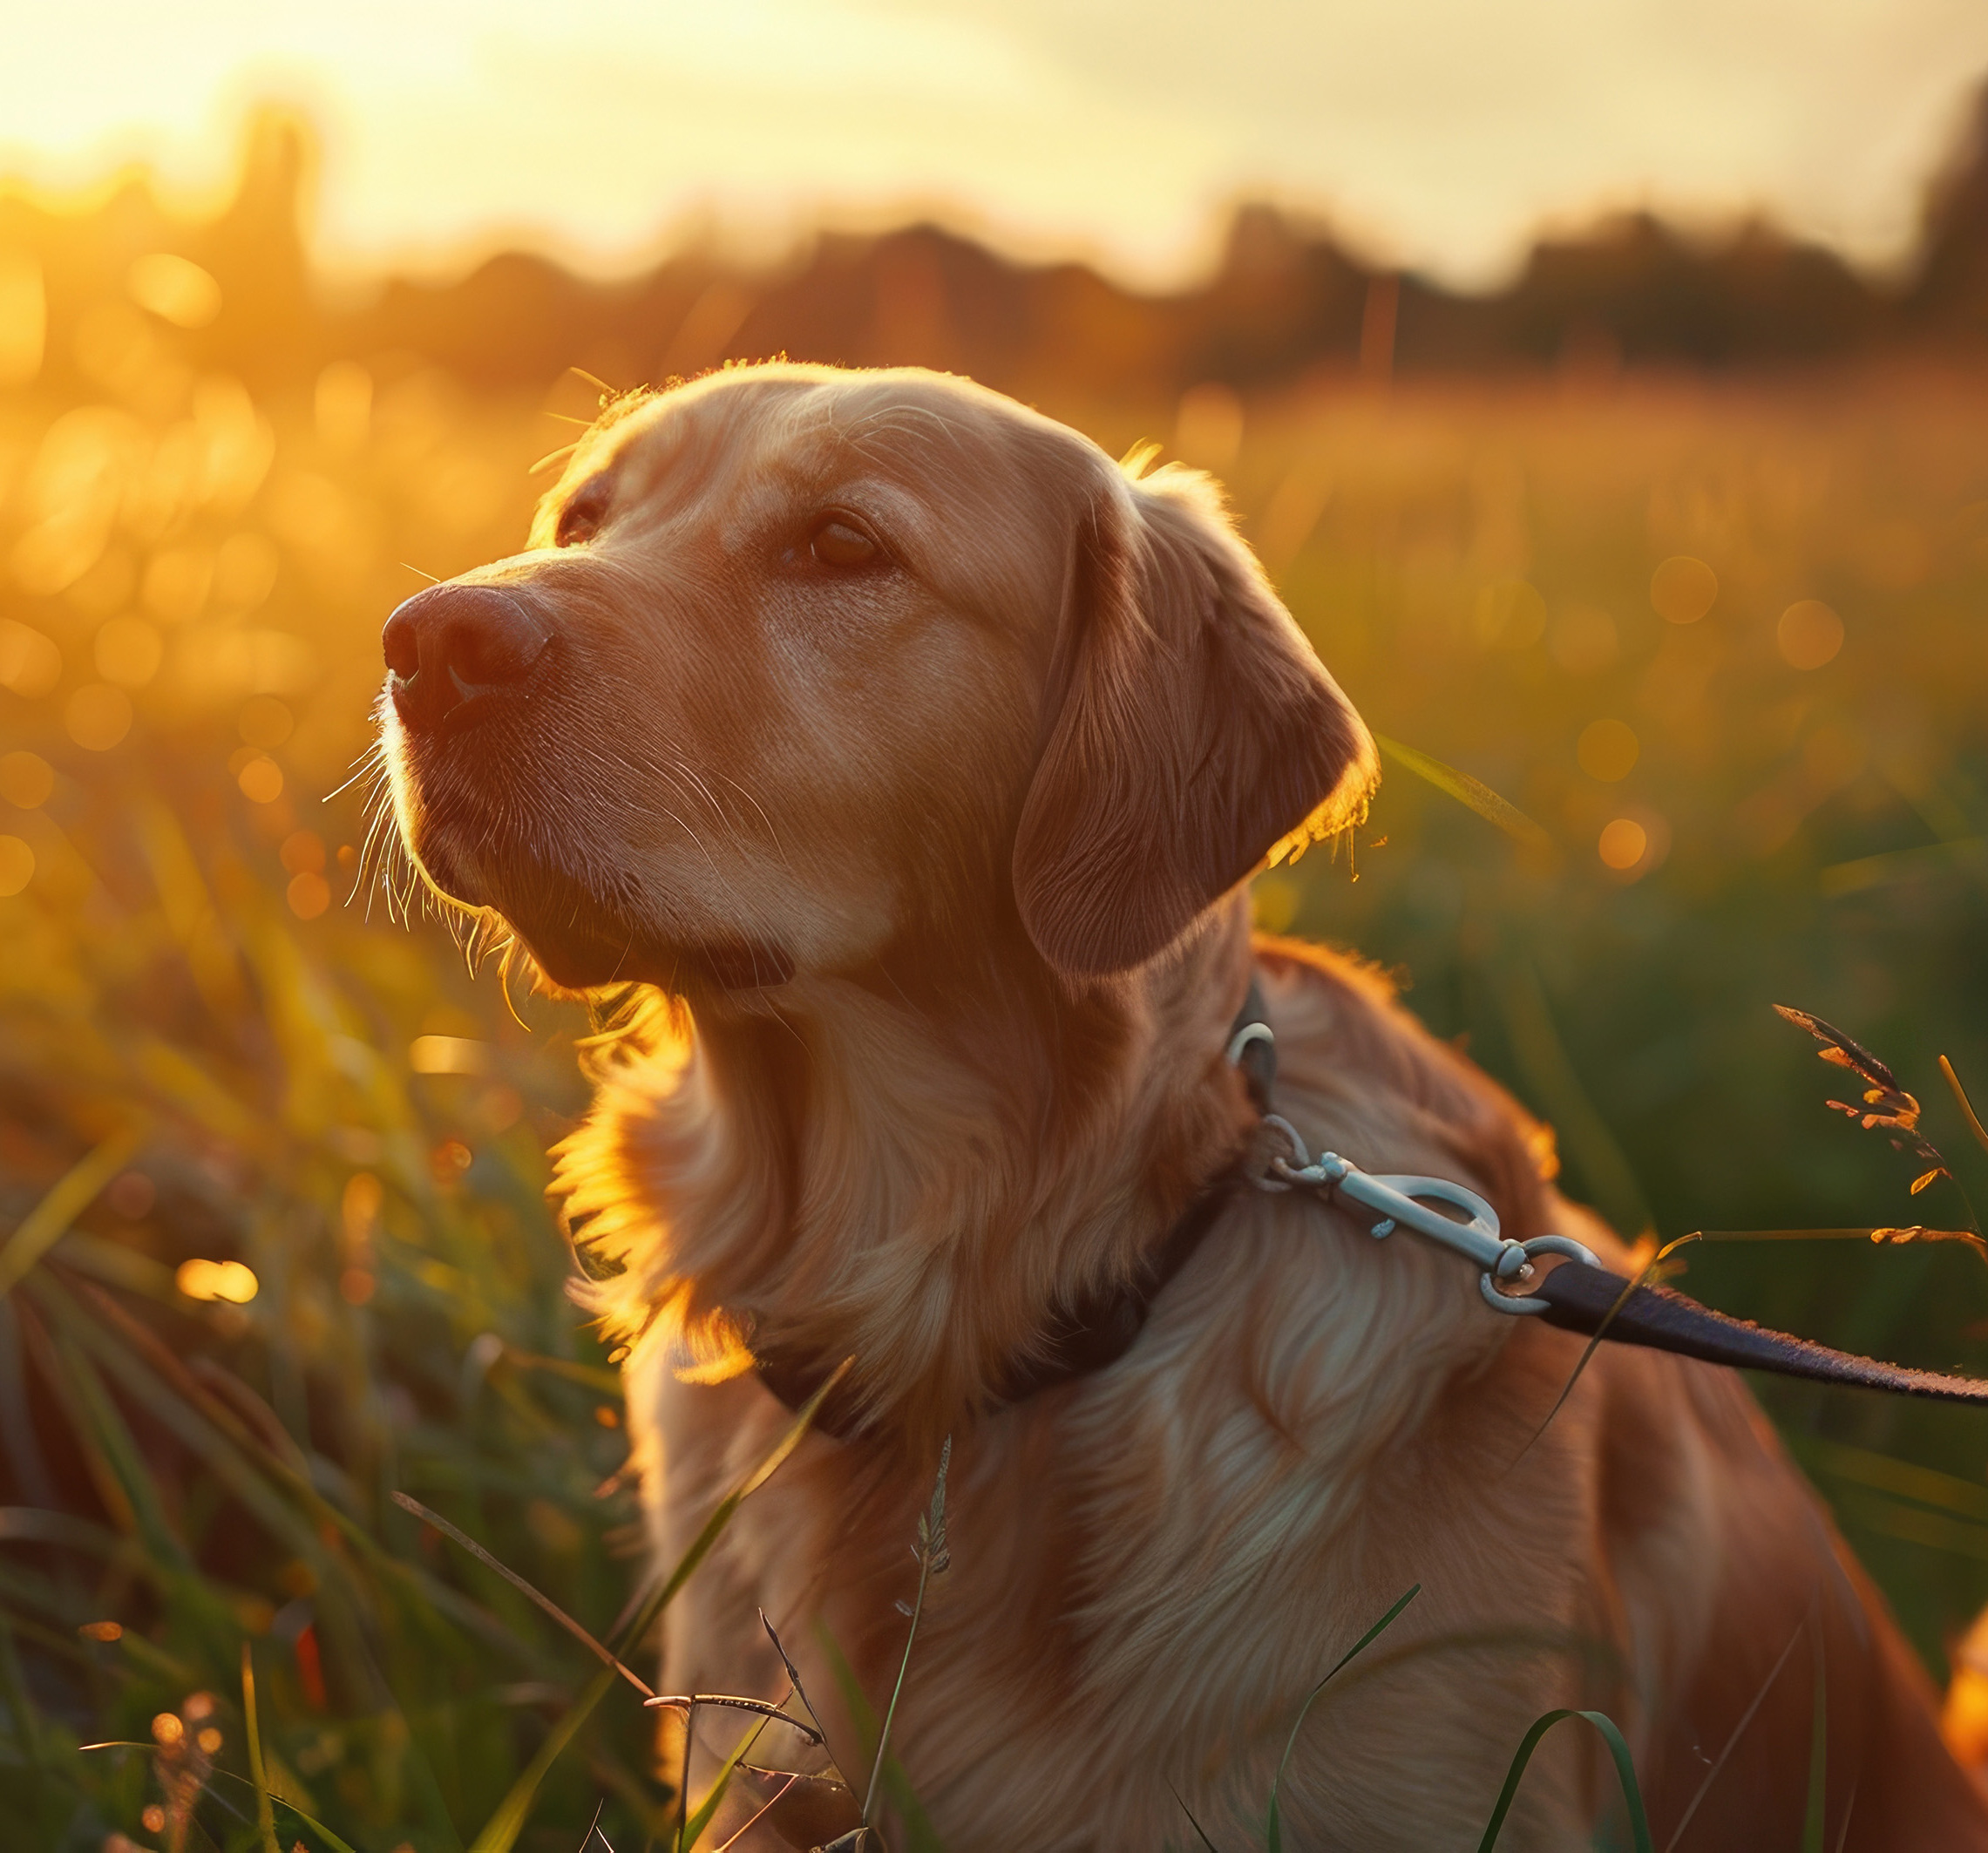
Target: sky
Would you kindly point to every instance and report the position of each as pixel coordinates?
(1438, 134)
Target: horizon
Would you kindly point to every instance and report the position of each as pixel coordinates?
(1046, 139)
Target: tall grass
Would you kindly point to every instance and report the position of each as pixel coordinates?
(213, 1067)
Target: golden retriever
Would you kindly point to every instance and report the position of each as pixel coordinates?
(913, 753)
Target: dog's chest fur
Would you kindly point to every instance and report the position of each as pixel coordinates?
(1153, 1566)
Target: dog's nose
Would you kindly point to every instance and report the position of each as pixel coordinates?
(453, 651)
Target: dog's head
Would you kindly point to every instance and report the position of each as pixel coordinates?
(803, 662)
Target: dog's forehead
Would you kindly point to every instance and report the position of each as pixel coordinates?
(805, 433)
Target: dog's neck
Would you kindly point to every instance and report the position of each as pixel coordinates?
(861, 1173)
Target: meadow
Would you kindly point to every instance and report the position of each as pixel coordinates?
(272, 1241)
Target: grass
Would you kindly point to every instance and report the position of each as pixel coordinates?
(208, 1057)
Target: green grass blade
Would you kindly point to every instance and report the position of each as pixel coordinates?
(1472, 793)
(20, 1700)
(694, 1828)
(500, 1832)
(316, 1826)
(71, 1194)
(1618, 1750)
(1273, 1822)
(1200, 1832)
(265, 1816)
(132, 1368)
(645, 1617)
(602, 1382)
(920, 1837)
(1650, 1272)
(862, 1713)
(102, 1429)
(1966, 1105)
(408, 1503)
(897, 1692)
(932, 1561)
(340, 1599)
(430, 1597)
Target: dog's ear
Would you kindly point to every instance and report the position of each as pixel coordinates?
(1192, 732)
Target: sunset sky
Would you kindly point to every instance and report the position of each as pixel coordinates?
(1439, 133)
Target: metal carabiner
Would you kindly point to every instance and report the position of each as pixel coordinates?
(1564, 1245)
(1401, 1201)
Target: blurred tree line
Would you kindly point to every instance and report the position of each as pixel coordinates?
(1285, 300)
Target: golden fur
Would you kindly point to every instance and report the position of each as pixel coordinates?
(937, 850)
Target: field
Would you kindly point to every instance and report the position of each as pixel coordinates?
(273, 1158)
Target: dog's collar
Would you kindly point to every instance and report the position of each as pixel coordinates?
(1101, 1329)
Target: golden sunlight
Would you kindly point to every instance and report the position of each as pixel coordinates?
(1438, 132)
(1602, 390)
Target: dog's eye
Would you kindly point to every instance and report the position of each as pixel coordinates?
(839, 542)
(581, 517)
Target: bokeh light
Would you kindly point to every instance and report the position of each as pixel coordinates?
(1608, 751)
(1809, 635)
(128, 652)
(1624, 844)
(26, 779)
(16, 865)
(98, 716)
(1683, 589)
(229, 1281)
(30, 663)
(173, 288)
(261, 779)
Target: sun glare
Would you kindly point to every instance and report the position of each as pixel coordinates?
(1436, 132)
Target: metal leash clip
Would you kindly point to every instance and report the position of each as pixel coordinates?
(1394, 1197)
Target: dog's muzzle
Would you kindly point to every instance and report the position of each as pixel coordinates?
(456, 655)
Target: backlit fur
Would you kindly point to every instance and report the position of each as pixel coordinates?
(931, 872)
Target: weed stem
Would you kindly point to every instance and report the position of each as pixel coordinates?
(932, 1556)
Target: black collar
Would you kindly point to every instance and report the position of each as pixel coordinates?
(1101, 1329)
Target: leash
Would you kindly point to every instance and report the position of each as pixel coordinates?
(1582, 1296)
(1579, 1295)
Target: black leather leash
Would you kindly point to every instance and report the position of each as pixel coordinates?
(1592, 1300)
(1579, 1295)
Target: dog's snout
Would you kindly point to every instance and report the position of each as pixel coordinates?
(453, 652)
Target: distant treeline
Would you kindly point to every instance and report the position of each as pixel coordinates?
(1285, 301)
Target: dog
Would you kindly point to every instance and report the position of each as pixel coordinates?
(908, 757)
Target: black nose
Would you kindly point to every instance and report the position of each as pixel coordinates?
(454, 652)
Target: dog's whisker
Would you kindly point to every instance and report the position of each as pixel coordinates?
(772, 833)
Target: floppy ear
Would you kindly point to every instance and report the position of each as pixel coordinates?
(1197, 733)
